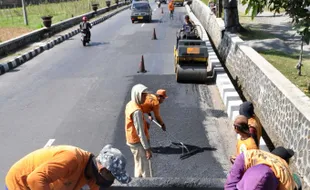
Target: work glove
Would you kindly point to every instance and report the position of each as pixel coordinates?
(150, 117)
(148, 154)
(163, 127)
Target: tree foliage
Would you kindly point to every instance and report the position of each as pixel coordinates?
(298, 10)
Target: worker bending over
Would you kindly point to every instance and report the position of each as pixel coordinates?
(67, 167)
(152, 103)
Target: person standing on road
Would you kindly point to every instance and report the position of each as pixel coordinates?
(67, 167)
(246, 142)
(247, 109)
(171, 8)
(152, 103)
(260, 170)
(137, 133)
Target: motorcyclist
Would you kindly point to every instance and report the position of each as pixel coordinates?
(85, 26)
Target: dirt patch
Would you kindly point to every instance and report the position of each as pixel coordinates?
(7, 33)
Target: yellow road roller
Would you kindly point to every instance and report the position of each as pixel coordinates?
(190, 57)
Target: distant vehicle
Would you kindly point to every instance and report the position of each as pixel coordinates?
(133, 1)
(141, 11)
(162, 1)
(179, 2)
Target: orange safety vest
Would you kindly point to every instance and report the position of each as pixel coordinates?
(150, 101)
(254, 122)
(244, 145)
(276, 164)
(171, 6)
(131, 132)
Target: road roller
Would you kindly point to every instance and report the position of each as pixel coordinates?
(190, 57)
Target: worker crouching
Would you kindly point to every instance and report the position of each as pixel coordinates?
(137, 133)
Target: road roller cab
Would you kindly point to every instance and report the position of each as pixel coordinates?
(191, 57)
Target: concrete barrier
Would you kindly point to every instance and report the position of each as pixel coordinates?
(161, 183)
(284, 110)
(227, 91)
(37, 35)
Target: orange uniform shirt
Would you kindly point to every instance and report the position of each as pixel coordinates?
(152, 104)
(278, 165)
(171, 6)
(247, 144)
(55, 168)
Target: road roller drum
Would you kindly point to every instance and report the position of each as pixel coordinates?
(191, 74)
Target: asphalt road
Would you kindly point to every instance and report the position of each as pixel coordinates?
(76, 95)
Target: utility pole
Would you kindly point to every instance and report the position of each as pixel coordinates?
(25, 12)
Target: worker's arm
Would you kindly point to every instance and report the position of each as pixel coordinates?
(139, 125)
(253, 133)
(89, 25)
(236, 173)
(59, 167)
(157, 114)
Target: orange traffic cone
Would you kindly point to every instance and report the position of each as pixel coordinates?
(162, 10)
(141, 66)
(154, 35)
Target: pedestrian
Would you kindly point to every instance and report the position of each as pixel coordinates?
(152, 104)
(67, 167)
(137, 133)
(261, 170)
(246, 142)
(247, 109)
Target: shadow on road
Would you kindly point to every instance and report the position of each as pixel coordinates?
(179, 150)
(98, 43)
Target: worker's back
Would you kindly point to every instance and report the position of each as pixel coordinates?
(171, 6)
(45, 164)
(150, 101)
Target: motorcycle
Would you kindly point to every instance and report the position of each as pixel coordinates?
(84, 38)
(159, 3)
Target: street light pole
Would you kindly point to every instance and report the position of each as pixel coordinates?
(25, 12)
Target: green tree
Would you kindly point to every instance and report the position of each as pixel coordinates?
(298, 10)
(231, 16)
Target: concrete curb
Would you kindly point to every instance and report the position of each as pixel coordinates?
(164, 183)
(228, 93)
(12, 64)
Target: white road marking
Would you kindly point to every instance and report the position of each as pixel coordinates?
(154, 9)
(142, 25)
(49, 143)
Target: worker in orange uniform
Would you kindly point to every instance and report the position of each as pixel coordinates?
(247, 109)
(152, 103)
(246, 142)
(137, 133)
(67, 167)
(171, 7)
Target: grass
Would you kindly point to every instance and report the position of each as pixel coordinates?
(11, 18)
(285, 63)
(205, 2)
(255, 34)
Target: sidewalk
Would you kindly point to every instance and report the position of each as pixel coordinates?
(282, 36)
